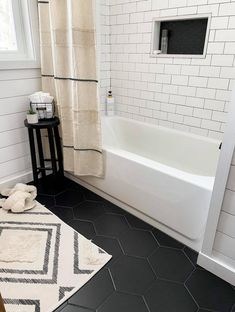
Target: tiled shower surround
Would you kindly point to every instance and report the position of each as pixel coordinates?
(190, 94)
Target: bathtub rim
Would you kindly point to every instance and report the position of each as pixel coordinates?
(164, 129)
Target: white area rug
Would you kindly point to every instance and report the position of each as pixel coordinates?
(43, 261)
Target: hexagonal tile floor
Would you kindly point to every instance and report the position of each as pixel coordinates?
(149, 271)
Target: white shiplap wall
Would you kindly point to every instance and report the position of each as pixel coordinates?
(15, 86)
(189, 94)
(225, 236)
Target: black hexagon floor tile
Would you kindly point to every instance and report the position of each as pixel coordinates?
(52, 185)
(89, 210)
(166, 241)
(71, 185)
(64, 213)
(120, 302)
(205, 310)
(69, 198)
(210, 292)
(191, 254)
(89, 195)
(85, 228)
(136, 223)
(165, 296)
(131, 240)
(60, 308)
(110, 245)
(111, 208)
(94, 292)
(171, 264)
(132, 275)
(110, 225)
(72, 308)
(46, 200)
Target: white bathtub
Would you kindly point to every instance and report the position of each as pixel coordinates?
(164, 176)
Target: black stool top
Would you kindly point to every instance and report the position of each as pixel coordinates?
(44, 123)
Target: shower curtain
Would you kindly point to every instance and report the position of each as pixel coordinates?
(68, 62)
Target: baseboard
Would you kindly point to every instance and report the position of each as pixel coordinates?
(196, 245)
(218, 267)
(24, 177)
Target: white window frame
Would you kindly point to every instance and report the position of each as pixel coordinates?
(27, 35)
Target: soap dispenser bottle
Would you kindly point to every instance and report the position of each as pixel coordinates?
(110, 104)
(164, 41)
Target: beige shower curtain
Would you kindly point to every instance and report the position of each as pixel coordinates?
(68, 61)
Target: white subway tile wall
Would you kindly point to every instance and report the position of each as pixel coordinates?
(104, 47)
(190, 94)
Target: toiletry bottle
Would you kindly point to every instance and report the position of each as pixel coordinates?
(164, 41)
(110, 104)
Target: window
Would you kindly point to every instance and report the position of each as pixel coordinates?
(18, 34)
(7, 26)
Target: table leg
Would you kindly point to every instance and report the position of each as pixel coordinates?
(2, 309)
(52, 150)
(33, 155)
(40, 152)
(59, 150)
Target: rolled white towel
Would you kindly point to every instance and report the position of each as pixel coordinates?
(20, 187)
(20, 198)
(18, 202)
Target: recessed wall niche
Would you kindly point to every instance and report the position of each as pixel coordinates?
(181, 36)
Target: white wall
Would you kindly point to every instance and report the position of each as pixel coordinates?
(15, 86)
(218, 252)
(190, 94)
(103, 45)
(225, 235)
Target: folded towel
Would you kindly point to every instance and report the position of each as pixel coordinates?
(41, 97)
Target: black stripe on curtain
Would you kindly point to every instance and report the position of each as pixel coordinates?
(73, 79)
(83, 149)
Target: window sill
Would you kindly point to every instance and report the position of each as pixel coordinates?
(19, 64)
(195, 56)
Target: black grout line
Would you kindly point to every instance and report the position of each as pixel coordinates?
(186, 287)
(183, 250)
(84, 307)
(111, 276)
(145, 302)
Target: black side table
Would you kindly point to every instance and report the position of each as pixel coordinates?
(51, 125)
